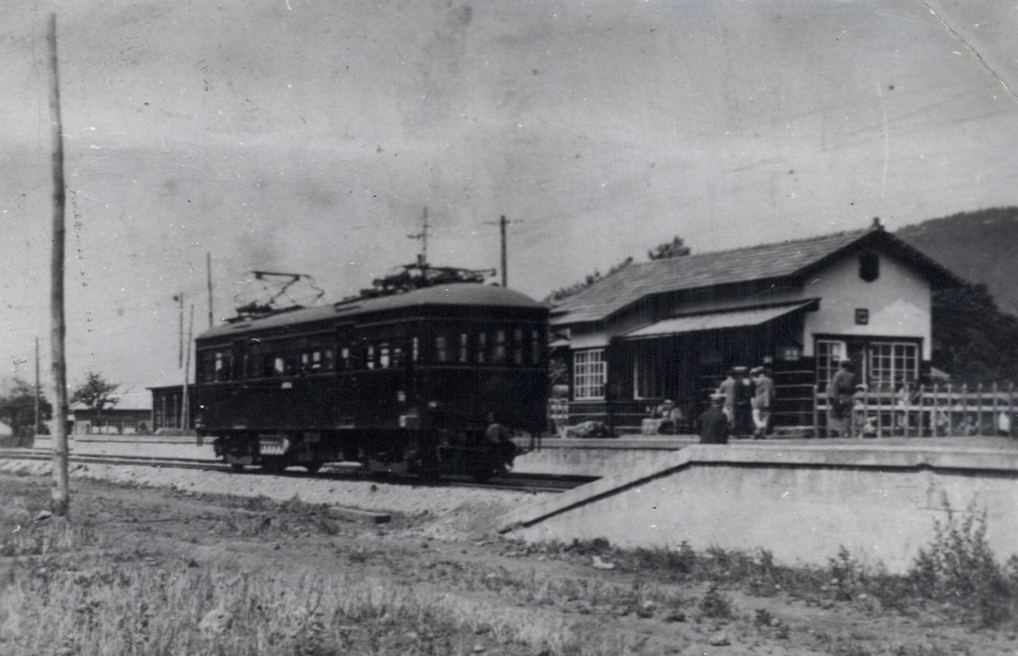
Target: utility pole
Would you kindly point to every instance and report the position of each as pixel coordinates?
(61, 500)
(208, 269)
(503, 223)
(422, 258)
(35, 431)
(185, 408)
(180, 352)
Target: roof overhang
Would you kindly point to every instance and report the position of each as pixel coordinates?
(744, 317)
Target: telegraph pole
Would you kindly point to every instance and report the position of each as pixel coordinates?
(35, 431)
(503, 223)
(208, 269)
(422, 257)
(185, 408)
(61, 500)
(180, 352)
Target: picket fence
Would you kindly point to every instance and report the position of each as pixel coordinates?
(938, 410)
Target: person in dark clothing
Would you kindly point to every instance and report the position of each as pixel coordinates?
(839, 399)
(714, 422)
(744, 391)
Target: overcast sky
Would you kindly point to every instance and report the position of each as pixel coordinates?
(309, 137)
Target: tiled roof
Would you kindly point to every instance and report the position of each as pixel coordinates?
(637, 281)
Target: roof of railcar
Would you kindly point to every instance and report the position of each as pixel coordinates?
(453, 294)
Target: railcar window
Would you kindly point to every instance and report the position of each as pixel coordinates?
(278, 366)
(441, 353)
(518, 346)
(329, 359)
(344, 355)
(369, 358)
(416, 349)
(383, 356)
(535, 347)
(464, 351)
(499, 355)
(482, 347)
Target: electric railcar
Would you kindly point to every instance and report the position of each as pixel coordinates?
(409, 382)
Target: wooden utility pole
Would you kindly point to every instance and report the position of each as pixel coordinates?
(180, 353)
(61, 500)
(505, 274)
(503, 224)
(208, 269)
(35, 430)
(185, 408)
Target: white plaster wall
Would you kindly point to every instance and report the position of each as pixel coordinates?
(899, 303)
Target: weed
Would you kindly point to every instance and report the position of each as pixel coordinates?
(715, 605)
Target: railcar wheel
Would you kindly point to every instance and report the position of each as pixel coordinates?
(237, 467)
(313, 466)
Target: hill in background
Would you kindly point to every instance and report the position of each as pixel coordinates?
(979, 247)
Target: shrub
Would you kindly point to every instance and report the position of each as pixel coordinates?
(959, 567)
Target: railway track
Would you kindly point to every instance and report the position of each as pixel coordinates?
(512, 481)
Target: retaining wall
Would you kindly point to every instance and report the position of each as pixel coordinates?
(800, 502)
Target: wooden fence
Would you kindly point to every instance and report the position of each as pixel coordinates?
(938, 410)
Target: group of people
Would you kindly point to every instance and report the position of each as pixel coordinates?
(741, 407)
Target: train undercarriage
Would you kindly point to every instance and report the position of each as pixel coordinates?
(427, 454)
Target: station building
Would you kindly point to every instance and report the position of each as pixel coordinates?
(130, 414)
(669, 329)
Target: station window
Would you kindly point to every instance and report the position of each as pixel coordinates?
(589, 374)
(892, 365)
(829, 354)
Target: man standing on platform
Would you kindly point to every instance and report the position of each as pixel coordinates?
(743, 403)
(763, 398)
(727, 391)
(714, 422)
(839, 399)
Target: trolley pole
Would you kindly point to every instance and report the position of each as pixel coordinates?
(61, 500)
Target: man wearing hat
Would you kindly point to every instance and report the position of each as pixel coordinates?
(763, 397)
(714, 422)
(727, 390)
(743, 425)
(839, 399)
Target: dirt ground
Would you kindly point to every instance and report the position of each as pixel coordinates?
(455, 553)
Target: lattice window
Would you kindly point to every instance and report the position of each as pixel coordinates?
(829, 354)
(892, 365)
(589, 374)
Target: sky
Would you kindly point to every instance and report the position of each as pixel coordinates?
(302, 136)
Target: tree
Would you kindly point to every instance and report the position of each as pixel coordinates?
(17, 409)
(674, 248)
(95, 393)
(566, 292)
(972, 339)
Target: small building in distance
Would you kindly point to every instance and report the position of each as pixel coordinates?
(669, 329)
(131, 414)
(167, 401)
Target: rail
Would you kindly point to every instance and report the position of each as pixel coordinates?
(936, 410)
